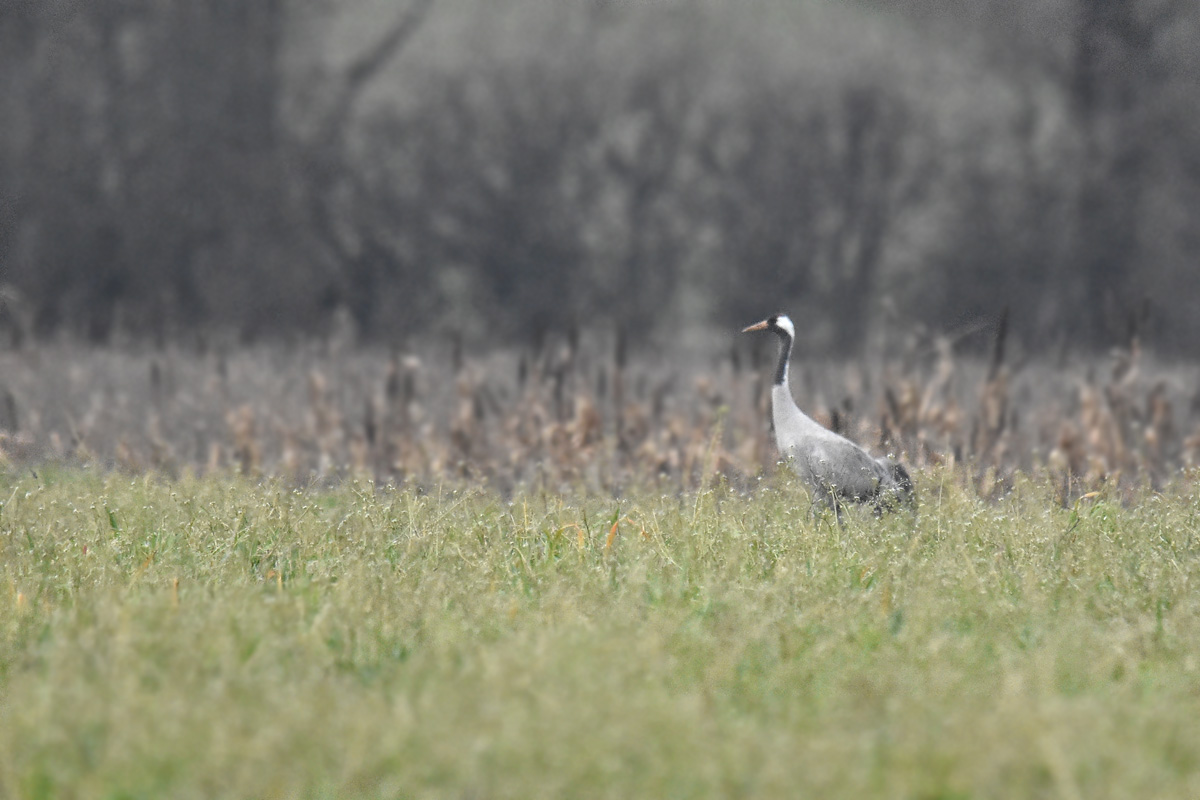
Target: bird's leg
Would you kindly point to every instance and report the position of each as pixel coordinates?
(825, 501)
(882, 502)
(819, 506)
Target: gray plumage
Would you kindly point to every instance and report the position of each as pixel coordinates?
(835, 469)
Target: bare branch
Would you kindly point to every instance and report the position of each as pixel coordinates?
(368, 65)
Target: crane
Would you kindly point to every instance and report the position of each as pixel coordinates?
(835, 469)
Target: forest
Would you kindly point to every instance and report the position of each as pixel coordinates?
(507, 171)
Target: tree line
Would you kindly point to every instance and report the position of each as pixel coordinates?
(524, 167)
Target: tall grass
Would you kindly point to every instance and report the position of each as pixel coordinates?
(218, 637)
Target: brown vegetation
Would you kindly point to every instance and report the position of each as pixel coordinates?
(580, 413)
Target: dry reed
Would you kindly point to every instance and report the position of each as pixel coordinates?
(584, 412)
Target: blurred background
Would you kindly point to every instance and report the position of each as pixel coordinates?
(505, 169)
(513, 242)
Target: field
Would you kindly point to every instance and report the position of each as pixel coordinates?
(227, 637)
(331, 570)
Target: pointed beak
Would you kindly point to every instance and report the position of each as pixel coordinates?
(761, 326)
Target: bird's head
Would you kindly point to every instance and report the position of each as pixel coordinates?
(779, 324)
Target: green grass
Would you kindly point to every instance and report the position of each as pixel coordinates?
(222, 638)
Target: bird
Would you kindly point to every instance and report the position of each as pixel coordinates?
(835, 469)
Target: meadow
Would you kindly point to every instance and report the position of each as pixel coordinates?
(229, 637)
(328, 570)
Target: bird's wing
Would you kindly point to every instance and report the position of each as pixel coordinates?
(846, 468)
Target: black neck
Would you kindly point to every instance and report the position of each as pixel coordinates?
(785, 352)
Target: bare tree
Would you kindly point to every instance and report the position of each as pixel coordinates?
(337, 199)
(1113, 71)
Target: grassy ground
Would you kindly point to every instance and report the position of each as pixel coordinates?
(221, 638)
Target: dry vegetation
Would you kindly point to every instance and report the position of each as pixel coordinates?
(570, 593)
(577, 412)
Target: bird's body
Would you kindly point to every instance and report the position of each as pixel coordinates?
(835, 469)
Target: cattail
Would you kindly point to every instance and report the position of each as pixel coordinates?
(8, 413)
(587, 425)
(1161, 443)
(245, 443)
(156, 388)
